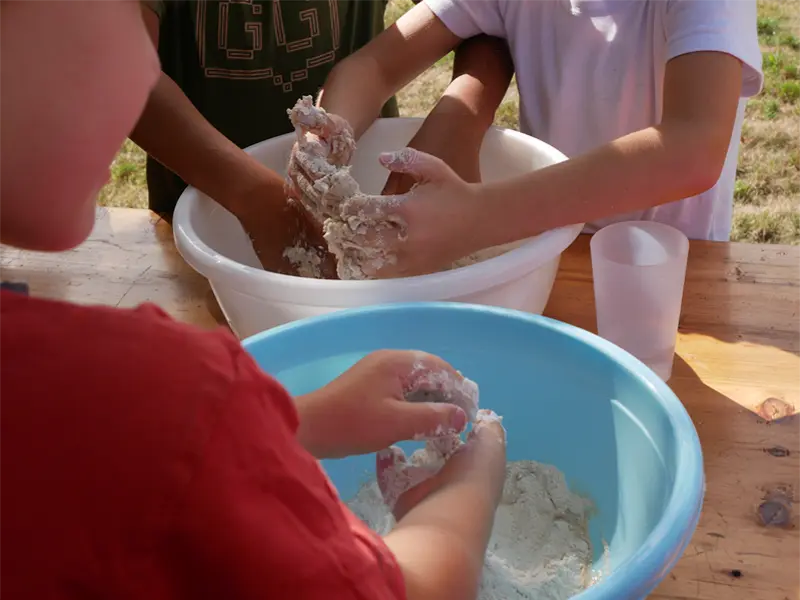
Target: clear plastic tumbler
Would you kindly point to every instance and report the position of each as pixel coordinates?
(639, 268)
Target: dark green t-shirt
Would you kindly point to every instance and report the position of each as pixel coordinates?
(244, 63)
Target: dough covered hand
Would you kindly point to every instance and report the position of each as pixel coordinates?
(319, 181)
(406, 481)
(368, 407)
(442, 217)
(318, 176)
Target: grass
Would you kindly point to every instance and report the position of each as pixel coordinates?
(127, 186)
(767, 192)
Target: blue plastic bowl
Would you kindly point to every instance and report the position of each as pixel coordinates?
(568, 398)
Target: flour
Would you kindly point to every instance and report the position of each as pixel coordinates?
(368, 505)
(401, 473)
(540, 546)
(306, 261)
(435, 385)
(485, 254)
(539, 549)
(398, 474)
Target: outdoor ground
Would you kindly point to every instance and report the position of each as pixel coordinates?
(767, 192)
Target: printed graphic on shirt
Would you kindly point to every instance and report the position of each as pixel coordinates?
(237, 38)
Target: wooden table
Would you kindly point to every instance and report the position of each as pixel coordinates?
(737, 372)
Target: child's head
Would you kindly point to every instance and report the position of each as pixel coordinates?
(75, 78)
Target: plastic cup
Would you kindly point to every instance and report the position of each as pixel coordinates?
(639, 268)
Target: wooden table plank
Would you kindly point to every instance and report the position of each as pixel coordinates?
(738, 347)
(740, 321)
(737, 372)
(130, 258)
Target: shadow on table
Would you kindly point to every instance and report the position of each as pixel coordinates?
(743, 294)
(714, 414)
(747, 536)
(741, 447)
(750, 314)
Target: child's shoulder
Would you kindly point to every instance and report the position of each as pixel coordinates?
(145, 330)
(123, 351)
(116, 424)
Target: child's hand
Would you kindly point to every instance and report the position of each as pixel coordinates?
(482, 458)
(442, 217)
(325, 144)
(325, 132)
(273, 225)
(444, 523)
(462, 158)
(381, 401)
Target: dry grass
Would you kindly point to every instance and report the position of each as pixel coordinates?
(767, 193)
(767, 196)
(127, 186)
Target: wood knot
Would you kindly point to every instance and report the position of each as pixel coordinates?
(776, 509)
(740, 275)
(773, 409)
(778, 451)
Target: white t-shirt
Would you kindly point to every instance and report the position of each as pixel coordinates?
(590, 71)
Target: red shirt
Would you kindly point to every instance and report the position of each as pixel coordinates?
(146, 459)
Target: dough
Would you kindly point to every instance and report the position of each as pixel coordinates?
(353, 225)
(356, 226)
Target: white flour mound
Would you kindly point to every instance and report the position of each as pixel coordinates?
(540, 541)
(306, 260)
(539, 549)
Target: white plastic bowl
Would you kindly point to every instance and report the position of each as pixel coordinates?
(211, 240)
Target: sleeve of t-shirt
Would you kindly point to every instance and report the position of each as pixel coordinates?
(721, 26)
(468, 18)
(157, 6)
(262, 520)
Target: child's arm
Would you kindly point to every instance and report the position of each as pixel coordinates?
(257, 518)
(680, 157)
(454, 129)
(445, 523)
(175, 133)
(360, 85)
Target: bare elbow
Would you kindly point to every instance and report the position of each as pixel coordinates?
(704, 174)
(702, 157)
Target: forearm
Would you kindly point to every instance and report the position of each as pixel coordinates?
(636, 172)
(316, 422)
(359, 86)
(357, 104)
(173, 131)
(437, 563)
(440, 544)
(679, 158)
(482, 72)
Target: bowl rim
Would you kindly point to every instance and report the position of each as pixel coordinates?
(285, 288)
(641, 572)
